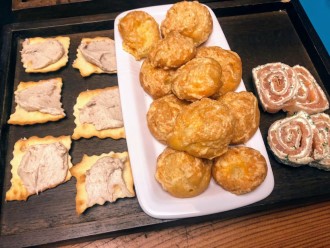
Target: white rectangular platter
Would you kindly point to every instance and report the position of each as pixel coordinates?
(144, 149)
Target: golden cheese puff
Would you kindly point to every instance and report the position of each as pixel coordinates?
(162, 114)
(140, 33)
(203, 129)
(240, 170)
(200, 77)
(172, 51)
(244, 107)
(191, 19)
(181, 174)
(155, 81)
(231, 65)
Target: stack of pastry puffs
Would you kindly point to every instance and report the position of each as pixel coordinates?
(195, 111)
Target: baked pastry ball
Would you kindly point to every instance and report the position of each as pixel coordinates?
(162, 114)
(200, 77)
(244, 107)
(191, 19)
(140, 33)
(172, 51)
(203, 129)
(231, 65)
(155, 81)
(181, 174)
(240, 170)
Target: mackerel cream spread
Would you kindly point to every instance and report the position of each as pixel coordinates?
(103, 110)
(103, 178)
(42, 54)
(44, 97)
(43, 166)
(100, 53)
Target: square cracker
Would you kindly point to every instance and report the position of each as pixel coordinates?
(87, 130)
(65, 41)
(79, 172)
(86, 68)
(17, 190)
(24, 117)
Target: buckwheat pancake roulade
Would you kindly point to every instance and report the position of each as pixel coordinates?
(291, 139)
(310, 96)
(276, 84)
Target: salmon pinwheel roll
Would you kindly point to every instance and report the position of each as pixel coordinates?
(276, 84)
(310, 96)
(291, 139)
(321, 141)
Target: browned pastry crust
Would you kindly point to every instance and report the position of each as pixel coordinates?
(155, 81)
(240, 170)
(24, 117)
(181, 174)
(17, 190)
(200, 77)
(79, 172)
(244, 107)
(172, 51)
(140, 33)
(191, 19)
(231, 65)
(162, 114)
(204, 129)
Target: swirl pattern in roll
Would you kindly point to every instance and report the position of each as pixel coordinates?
(291, 139)
(310, 96)
(321, 141)
(276, 84)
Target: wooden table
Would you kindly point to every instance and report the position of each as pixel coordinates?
(304, 226)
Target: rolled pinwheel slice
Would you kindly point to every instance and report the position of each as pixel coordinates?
(310, 96)
(321, 141)
(276, 84)
(291, 139)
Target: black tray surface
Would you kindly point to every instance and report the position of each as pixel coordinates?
(258, 33)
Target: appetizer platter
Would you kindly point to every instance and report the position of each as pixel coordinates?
(260, 33)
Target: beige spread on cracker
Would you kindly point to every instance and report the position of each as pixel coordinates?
(98, 113)
(38, 102)
(96, 55)
(45, 54)
(103, 178)
(39, 164)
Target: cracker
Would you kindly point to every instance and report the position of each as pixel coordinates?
(86, 68)
(24, 117)
(65, 41)
(17, 190)
(87, 130)
(79, 172)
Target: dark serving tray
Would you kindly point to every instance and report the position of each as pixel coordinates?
(259, 32)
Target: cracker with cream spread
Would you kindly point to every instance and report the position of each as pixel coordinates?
(64, 41)
(79, 172)
(88, 130)
(87, 68)
(17, 190)
(24, 117)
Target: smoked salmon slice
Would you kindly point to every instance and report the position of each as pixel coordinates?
(276, 84)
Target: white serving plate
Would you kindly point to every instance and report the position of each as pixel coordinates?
(144, 149)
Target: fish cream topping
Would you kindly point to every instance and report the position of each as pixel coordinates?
(43, 166)
(41, 54)
(103, 181)
(43, 97)
(103, 111)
